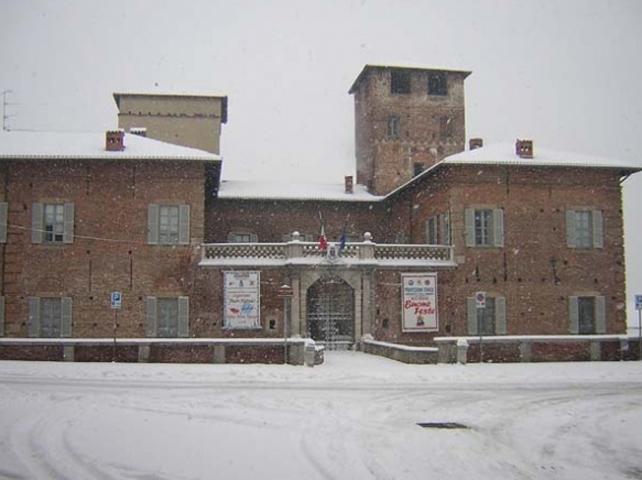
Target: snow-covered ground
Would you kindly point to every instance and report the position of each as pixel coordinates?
(354, 417)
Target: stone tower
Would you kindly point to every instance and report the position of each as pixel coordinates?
(406, 119)
(188, 120)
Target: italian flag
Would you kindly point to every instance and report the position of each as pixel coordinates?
(323, 242)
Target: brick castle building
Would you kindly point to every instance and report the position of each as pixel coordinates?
(210, 270)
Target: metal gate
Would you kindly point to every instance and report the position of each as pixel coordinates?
(330, 313)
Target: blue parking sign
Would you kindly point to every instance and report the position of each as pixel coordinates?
(638, 302)
(116, 299)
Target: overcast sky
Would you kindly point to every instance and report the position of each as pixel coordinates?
(565, 73)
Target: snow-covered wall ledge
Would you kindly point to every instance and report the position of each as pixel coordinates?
(151, 341)
(539, 348)
(531, 338)
(400, 352)
(158, 350)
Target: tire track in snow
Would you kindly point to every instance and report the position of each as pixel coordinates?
(42, 445)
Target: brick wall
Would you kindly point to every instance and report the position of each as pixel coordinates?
(271, 220)
(431, 127)
(535, 270)
(110, 250)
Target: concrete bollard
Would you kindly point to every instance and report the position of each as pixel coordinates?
(462, 351)
(309, 353)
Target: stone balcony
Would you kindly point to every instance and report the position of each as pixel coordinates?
(297, 252)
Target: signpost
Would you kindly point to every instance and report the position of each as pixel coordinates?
(638, 307)
(116, 302)
(286, 293)
(480, 304)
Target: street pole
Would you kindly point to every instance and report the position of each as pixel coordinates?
(480, 322)
(285, 330)
(639, 334)
(113, 353)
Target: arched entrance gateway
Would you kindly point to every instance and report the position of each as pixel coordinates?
(330, 312)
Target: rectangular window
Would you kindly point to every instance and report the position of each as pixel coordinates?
(438, 230)
(303, 237)
(583, 229)
(50, 317)
(417, 168)
(483, 227)
(446, 127)
(393, 127)
(4, 211)
(54, 223)
(491, 319)
(243, 237)
(167, 317)
(168, 224)
(168, 217)
(437, 84)
(432, 235)
(399, 82)
(486, 317)
(586, 315)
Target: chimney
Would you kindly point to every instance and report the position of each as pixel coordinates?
(140, 131)
(474, 143)
(115, 140)
(349, 184)
(524, 148)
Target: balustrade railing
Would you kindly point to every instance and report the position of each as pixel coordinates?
(298, 252)
(271, 251)
(413, 252)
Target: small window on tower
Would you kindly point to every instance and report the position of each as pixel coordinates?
(446, 127)
(393, 127)
(437, 84)
(399, 82)
(418, 168)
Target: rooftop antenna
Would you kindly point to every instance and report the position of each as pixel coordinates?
(5, 115)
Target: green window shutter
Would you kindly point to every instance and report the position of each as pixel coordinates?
(152, 224)
(471, 309)
(598, 229)
(427, 230)
(500, 316)
(33, 322)
(37, 222)
(66, 316)
(469, 223)
(498, 227)
(571, 236)
(1, 316)
(183, 316)
(3, 221)
(573, 315)
(151, 319)
(600, 314)
(183, 224)
(445, 232)
(68, 234)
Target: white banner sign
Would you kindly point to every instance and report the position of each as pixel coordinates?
(242, 299)
(419, 302)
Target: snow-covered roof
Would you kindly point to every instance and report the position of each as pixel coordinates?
(504, 154)
(257, 190)
(58, 145)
